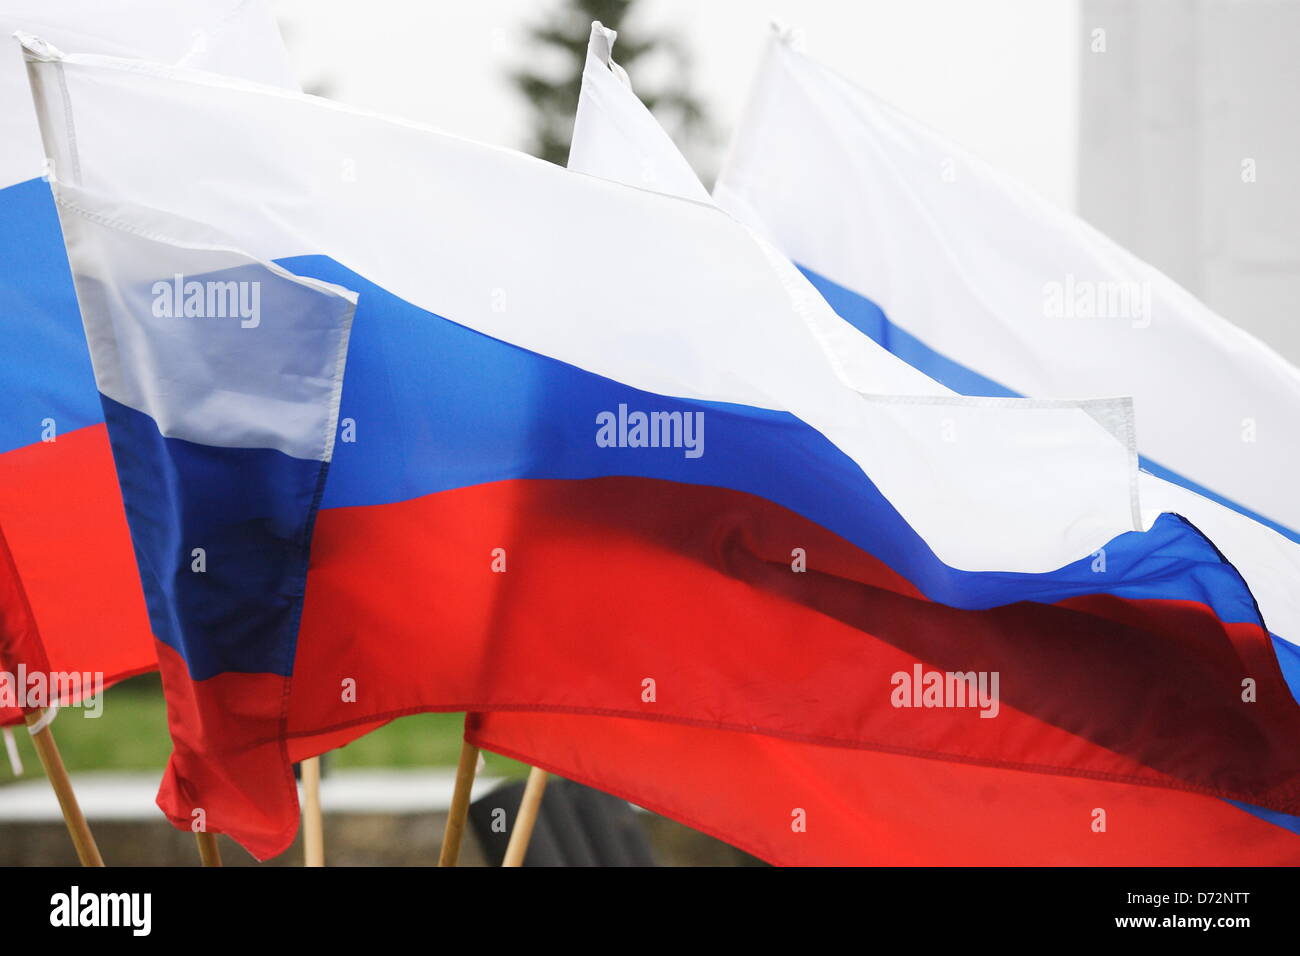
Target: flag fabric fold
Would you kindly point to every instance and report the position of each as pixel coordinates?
(19, 640)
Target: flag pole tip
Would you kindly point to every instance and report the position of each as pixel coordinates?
(36, 48)
(601, 48)
(601, 43)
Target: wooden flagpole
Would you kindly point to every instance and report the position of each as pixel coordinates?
(48, 751)
(526, 818)
(209, 852)
(313, 824)
(459, 811)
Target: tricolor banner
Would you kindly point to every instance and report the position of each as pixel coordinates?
(59, 502)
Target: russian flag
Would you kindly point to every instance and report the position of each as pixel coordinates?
(617, 138)
(589, 460)
(59, 500)
(983, 285)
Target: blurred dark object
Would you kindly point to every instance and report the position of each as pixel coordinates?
(561, 44)
(324, 765)
(576, 826)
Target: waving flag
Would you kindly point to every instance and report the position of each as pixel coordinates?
(617, 138)
(602, 456)
(59, 502)
(984, 286)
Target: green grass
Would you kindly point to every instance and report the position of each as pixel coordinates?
(132, 735)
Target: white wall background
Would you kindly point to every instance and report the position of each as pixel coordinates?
(1184, 93)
